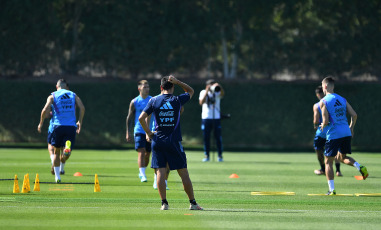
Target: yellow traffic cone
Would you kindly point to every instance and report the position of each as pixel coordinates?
(36, 184)
(16, 188)
(28, 183)
(24, 185)
(97, 188)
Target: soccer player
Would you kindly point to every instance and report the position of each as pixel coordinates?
(334, 109)
(63, 104)
(141, 145)
(320, 136)
(166, 140)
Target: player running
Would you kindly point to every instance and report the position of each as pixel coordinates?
(339, 135)
(320, 137)
(63, 104)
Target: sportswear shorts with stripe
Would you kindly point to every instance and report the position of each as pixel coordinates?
(342, 145)
(141, 142)
(166, 151)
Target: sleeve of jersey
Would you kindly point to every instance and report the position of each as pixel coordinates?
(184, 98)
(149, 108)
(202, 93)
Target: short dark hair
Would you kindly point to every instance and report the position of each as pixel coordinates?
(329, 80)
(165, 84)
(62, 83)
(319, 90)
(142, 82)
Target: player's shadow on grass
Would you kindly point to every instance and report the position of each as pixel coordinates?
(263, 162)
(247, 211)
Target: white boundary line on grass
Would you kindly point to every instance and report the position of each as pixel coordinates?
(217, 210)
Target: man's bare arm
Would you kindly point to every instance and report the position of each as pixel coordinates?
(325, 115)
(79, 104)
(45, 112)
(142, 119)
(353, 115)
(183, 85)
(203, 98)
(316, 116)
(130, 115)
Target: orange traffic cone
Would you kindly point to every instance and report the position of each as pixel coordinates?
(234, 176)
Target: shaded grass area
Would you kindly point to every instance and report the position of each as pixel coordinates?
(126, 203)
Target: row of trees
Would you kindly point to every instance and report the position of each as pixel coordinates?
(229, 38)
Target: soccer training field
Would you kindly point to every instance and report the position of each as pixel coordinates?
(126, 203)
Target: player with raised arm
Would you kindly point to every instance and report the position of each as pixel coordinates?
(166, 140)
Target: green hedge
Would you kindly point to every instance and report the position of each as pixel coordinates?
(264, 115)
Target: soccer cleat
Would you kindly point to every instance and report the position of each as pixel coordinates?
(58, 181)
(166, 187)
(140, 176)
(331, 193)
(364, 172)
(143, 179)
(195, 207)
(164, 207)
(220, 159)
(319, 172)
(67, 149)
(206, 159)
(154, 185)
(339, 173)
(62, 172)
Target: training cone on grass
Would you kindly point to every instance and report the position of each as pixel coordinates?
(16, 188)
(97, 188)
(36, 184)
(25, 184)
(234, 176)
(28, 183)
(78, 174)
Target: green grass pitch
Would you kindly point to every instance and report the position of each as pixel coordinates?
(126, 203)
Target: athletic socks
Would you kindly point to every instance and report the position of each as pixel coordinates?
(52, 158)
(331, 185)
(57, 172)
(142, 171)
(357, 165)
(337, 167)
(193, 202)
(164, 202)
(322, 167)
(62, 167)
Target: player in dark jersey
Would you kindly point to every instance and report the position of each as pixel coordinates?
(166, 139)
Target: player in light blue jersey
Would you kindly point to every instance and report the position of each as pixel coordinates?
(166, 140)
(141, 145)
(334, 110)
(63, 103)
(320, 136)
